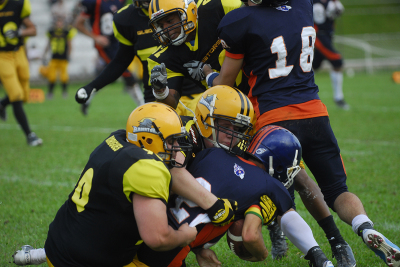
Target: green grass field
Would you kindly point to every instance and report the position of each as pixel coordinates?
(35, 181)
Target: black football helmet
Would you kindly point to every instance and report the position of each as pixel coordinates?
(142, 3)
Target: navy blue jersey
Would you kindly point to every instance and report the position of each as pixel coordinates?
(276, 45)
(232, 177)
(100, 14)
(323, 24)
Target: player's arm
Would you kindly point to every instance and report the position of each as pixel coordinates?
(229, 71)
(79, 24)
(165, 83)
(29, 29)
(220, 211)
(253, 239)
(206, 257)
(111, 72)
(152, 222)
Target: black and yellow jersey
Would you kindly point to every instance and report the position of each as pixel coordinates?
(206, 47)
(59, 41)
(12, 12)
(131, 28)
(96, 226)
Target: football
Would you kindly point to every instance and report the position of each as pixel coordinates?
(235, 241)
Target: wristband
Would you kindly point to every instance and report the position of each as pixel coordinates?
(210, 78)
(163, 95)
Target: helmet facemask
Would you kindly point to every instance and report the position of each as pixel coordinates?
(185, 10)
(239, 135)
(287, 178)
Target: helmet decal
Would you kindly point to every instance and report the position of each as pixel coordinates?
(145, 125)
(207, 102)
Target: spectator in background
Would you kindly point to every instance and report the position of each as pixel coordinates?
(100, 13)
(325, 13)
(60, 10)
(14, 67)
(60, 38)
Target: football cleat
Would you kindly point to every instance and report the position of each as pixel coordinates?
(383, 247)
(342, 104)
(34, 140)
(317, 258)
(343, 255)
(278, 239)
(29, 256)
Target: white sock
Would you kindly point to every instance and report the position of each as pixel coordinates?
(358, 220)
(38, 256)
(337, 84)
(298, 231)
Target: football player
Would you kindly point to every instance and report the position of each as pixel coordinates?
(14, 67)
(186, 32)
(278, 62)
(135, 39)
(325, 14)
(100, 13)
(220, 119)
(60, 43)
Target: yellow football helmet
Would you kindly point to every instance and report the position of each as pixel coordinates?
(229, 104)
(157, 127)
(187, 10)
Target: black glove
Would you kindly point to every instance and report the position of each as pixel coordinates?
(158, 78)
(83, 94)
(195, 69)
(11, 34)
(268, 209)
(222, 212)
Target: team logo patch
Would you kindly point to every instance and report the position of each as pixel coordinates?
(260, 151)
(207, 101)
(224, 45)
(145, 125)
(284, 8)
(238, 171)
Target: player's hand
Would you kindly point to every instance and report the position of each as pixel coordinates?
(101, 41)
(195, 69)
(158, 77)
(334, 9)
(189, 232)
(222, 212)
(207, 258)
(11, 34)
(84, 93)
(268, 209)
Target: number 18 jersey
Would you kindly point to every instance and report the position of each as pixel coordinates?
(276, 45)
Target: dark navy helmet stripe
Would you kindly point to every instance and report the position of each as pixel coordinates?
(241, 101)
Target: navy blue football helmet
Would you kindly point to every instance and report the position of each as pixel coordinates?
(279, 150)
(270, 3)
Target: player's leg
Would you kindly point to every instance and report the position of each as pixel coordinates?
(51, 77)
(64, 77)
(189, 104)
(22, 80)
(308, 189)
(324, 46)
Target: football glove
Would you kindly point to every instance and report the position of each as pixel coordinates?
(222, 212)
(84, 93)
(268, 210)
(11, 34)
(195, 69)
(334, 9)
(158, 77)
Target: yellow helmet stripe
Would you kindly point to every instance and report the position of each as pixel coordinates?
(242, 99)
